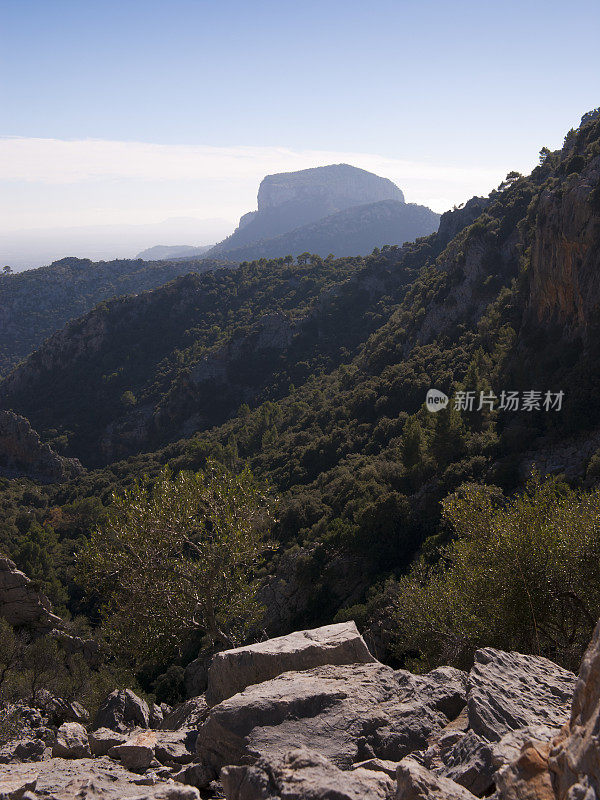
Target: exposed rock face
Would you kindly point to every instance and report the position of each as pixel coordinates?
(348, 713)
(340, 184)
(186, 715)
(121, 711)
(232, 671)
(445, 689)
(23, 454)
(565, 256)
(21, 603)
(304, 775)
(575, 762)
(415, 782)
(508, 691)
(289, 200)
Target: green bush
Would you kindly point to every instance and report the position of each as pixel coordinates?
(520, 574)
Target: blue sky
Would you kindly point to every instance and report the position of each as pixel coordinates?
(470, 89)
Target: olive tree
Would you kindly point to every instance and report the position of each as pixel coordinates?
(178, 558)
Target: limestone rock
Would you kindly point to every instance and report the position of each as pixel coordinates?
(416, 782)
(16, 780)
(348, 713)
(233, 670)
(21, 603)
(469, 762)
(575, 762)
(528, 778)
(137, 753)
(103, 739)
(175, 747)
(304, 775)
(23, 454)
(186, 715)
(29, 750)
(508, 691)
(121, 711)
(71, 741)
(444, 688)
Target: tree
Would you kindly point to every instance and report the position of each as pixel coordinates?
(7, 270)
(178, 559)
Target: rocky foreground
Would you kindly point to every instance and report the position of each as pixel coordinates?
(313, 715)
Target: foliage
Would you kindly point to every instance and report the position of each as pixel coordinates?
(177, 557)
(519, 574)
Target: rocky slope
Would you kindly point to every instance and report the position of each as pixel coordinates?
(353, 231)
(319, 726)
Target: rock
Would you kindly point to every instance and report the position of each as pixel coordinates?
(121, 711)
(156, 716)
(193, 775)
(378, 765)
(137, 753)
(304, 775)
(416, 782)
(508, 691)
(508, 749)
(233, 670)
(186, 715)
(444, 688)
(71, 741)
(23, 454)
(29, 750)
(469, 762)
(175, 747)
(575, 762)
(89, 779)
(16, 780)
(103, 739)
(528, 778)
(20, 602)
(348, 713)
(59, 710)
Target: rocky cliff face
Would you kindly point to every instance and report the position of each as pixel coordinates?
(23, 454)
(21, 603)
(565, 253)
(340, 185)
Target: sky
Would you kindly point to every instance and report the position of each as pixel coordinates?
(146, 114)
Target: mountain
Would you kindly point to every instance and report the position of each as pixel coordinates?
(354, 231)
(161, 252)
(291, 200)
(36, 303)
(314, 373)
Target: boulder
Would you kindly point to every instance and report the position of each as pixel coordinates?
(527, 778)
(137, 753)
(20, 602)
(29, 750)
(233, 670)
(575, 762)
(416, 782)
(444, 688)
(508, 691)
(302, 774)
(122, 711)
(156, 716)
(175, 747)
(186, 715)
(348, 713)
(102, 740)
(469, 762)
(71, 741)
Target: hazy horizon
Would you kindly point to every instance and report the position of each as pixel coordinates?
(139, 113)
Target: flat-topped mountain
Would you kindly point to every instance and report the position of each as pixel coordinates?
(291, 200)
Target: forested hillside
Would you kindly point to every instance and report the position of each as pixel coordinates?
(315, 374)
(37, 302)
